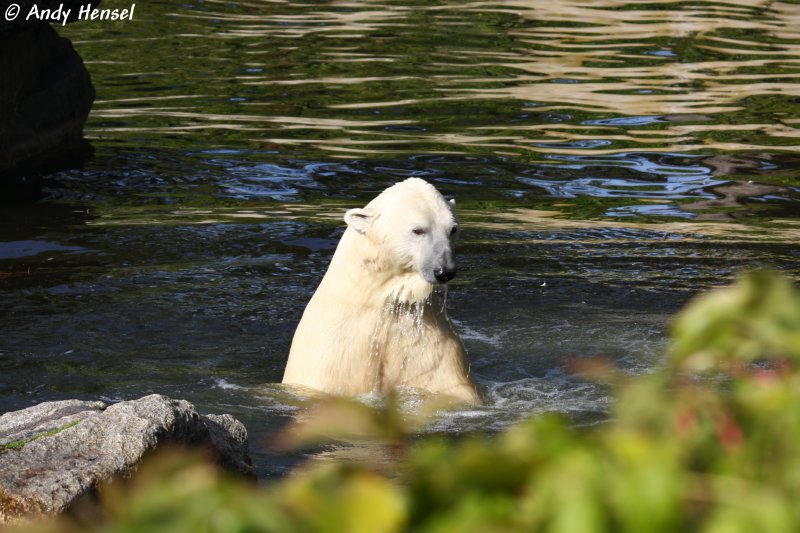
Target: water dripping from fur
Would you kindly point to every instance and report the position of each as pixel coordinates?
(401, 323)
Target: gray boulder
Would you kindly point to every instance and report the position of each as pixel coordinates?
(53, 453)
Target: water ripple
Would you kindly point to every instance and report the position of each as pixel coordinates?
(363, 79)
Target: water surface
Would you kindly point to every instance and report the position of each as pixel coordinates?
(610, 159)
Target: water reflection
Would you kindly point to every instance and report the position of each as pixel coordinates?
(513, 77)
(650, 186)
(624, 175)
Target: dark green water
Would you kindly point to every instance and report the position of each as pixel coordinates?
(610, 159)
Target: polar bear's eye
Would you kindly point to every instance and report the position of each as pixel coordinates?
(419, 231)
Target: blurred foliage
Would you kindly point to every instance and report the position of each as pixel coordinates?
(757, 319)
(710, 442)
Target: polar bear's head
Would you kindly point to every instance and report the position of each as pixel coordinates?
(410, 229)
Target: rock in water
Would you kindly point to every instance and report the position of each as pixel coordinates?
(45, 97)
(55, 452)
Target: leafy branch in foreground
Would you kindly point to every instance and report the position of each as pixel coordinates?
(711, 442)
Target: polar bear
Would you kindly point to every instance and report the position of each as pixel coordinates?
(377, 321)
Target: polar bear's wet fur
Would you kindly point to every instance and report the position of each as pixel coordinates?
(377, 321)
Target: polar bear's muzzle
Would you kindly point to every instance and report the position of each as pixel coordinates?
(444, 274)
(444, 269)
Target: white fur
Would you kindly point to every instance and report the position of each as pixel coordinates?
(377, 321)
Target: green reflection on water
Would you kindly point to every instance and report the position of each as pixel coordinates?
(516, 79)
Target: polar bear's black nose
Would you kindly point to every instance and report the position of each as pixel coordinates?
(443, 275)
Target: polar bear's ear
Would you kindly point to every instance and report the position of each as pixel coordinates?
(360, 219)
(452, 202)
